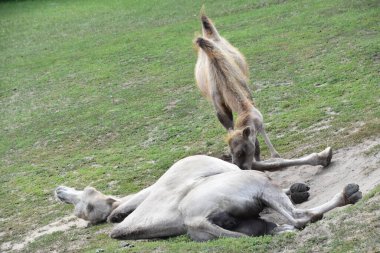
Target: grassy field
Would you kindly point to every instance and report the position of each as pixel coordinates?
(102, 93)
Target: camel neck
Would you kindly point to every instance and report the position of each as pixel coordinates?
(245, 118)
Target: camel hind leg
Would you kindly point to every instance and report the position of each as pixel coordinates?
(277, 199)
(223, 113)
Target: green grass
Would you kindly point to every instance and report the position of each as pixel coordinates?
(93, 92)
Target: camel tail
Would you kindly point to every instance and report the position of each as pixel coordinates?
(209, 48)
(208, 29)
(206, 45)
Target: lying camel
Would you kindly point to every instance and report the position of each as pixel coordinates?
(221, 73)
(202, 196)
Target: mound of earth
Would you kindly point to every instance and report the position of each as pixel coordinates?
(358, 164)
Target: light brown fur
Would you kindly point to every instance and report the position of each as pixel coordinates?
(221, 73)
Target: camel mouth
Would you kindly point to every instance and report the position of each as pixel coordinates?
(59, 194)
(57, 197)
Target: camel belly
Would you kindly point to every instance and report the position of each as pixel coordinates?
(236, 193)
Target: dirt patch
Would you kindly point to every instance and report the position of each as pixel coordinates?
(359, 164)
(63, 224)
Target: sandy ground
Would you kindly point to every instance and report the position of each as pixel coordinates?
(359, 164)
(62, 224)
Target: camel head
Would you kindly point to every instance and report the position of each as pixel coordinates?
(242, 147)
(90, 204)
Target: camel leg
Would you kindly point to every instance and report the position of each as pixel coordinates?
(278, 200)
(257, 150)
(273, 152)
(223, 113)
(200, 229)
(148, 222)
(128, 206)
(136, 229)
(323, 158)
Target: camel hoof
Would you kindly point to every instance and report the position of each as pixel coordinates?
(299, 193)
(299, 197)
(326, 156)
(116, 217)
(299, 187)
(352, 194)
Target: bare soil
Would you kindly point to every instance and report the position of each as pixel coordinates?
(358, 164)
(62, 224)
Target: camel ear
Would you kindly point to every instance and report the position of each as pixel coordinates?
(246, 132)
(110, 201)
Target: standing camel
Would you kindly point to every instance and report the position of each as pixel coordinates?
(221, 73)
